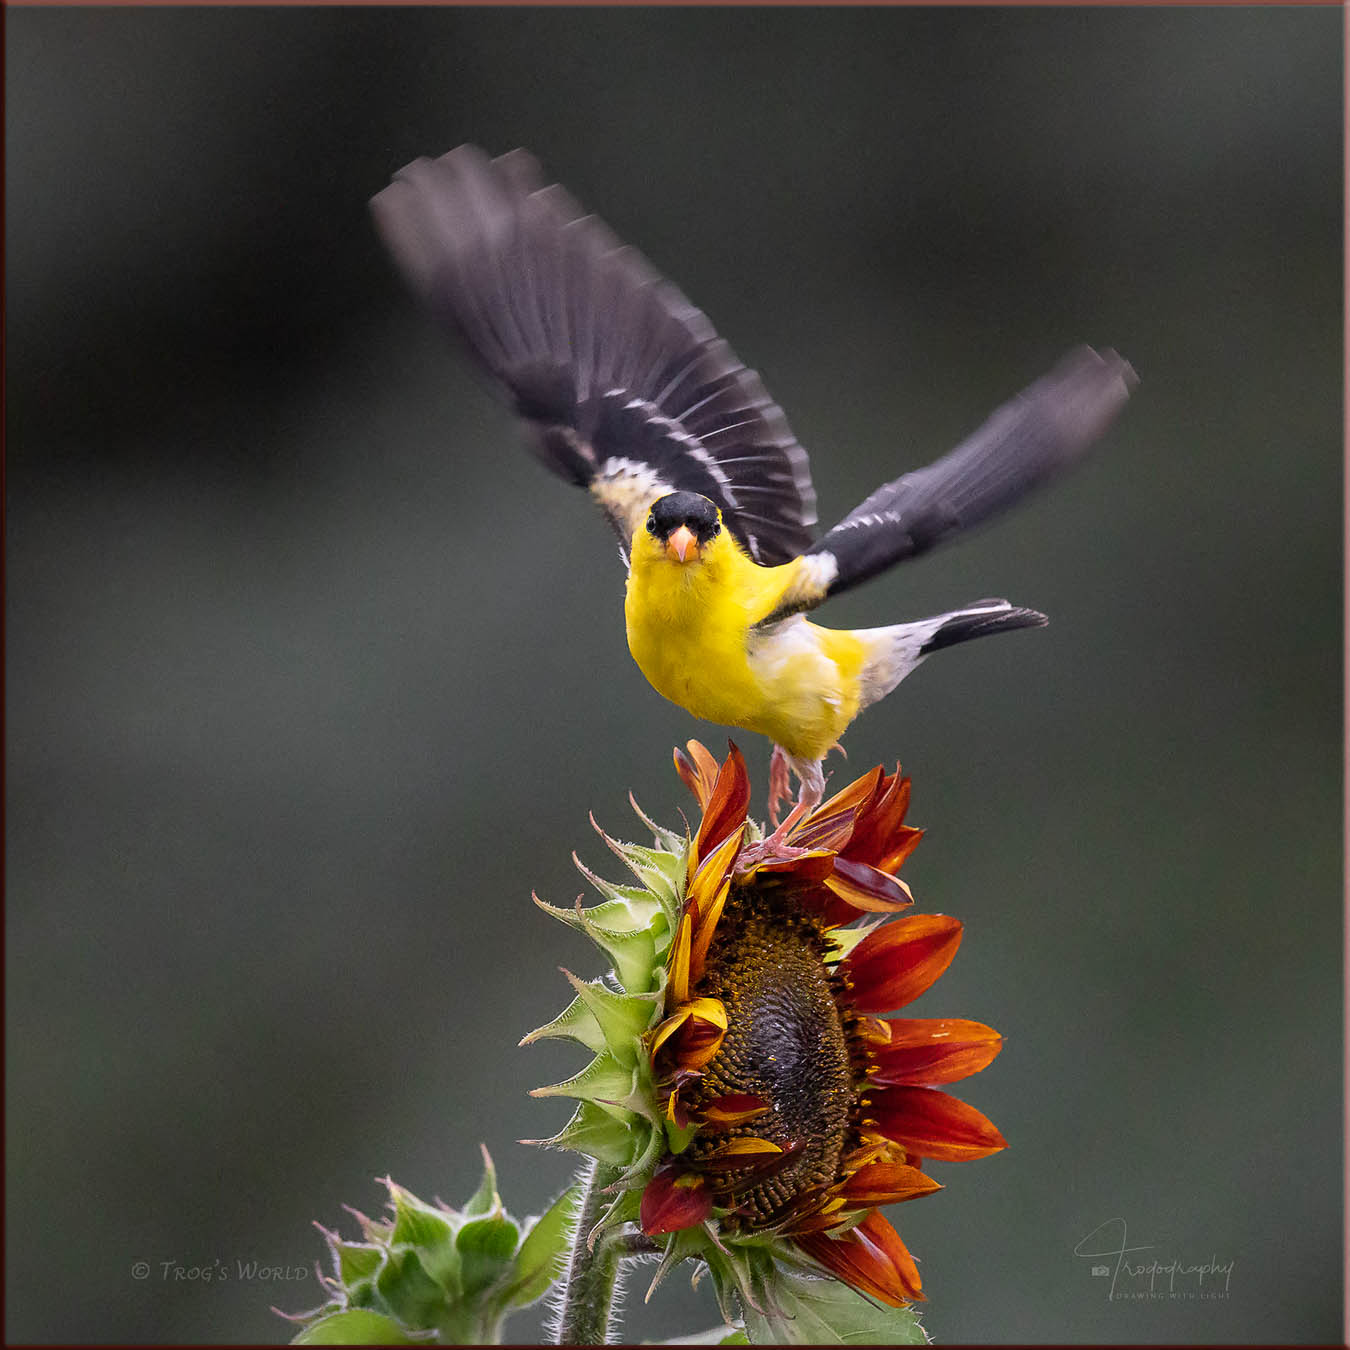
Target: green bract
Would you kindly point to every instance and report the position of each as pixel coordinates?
(435, 1274)
(618, 1119)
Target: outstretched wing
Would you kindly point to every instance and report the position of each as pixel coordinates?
(1043, 430)
(627, 388)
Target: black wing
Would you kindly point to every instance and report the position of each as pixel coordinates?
(1045, 429)
(628, 389)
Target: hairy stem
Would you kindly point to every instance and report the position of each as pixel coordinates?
(590, 1283)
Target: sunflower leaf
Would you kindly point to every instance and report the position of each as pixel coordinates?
(540, 1258)
(811, 1311)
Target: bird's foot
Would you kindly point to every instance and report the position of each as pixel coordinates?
(780, 784)
(810, 791)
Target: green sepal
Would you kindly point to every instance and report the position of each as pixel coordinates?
(622, 1018)
(486, 1249)
(639, 895)
(604, 1081)
(660, 873)
(625, 937)
(669, 840)
(408, 1291)
(596, 1132)
(485, 1199)
(357, 1326)
(417, 1224)
(678, 1137)
(356, 1261)
(601, 1019)
(576, 1022)
(645, 1162)
(623, 1210)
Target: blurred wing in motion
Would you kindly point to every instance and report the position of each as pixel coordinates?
(1043, 430)
(628, 390)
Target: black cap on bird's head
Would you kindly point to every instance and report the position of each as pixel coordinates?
(685, 522)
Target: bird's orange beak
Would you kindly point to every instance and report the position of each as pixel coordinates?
(682, 546)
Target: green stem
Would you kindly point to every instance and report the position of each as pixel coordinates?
(592, 1275)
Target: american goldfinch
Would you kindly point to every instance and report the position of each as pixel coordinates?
(629, 393)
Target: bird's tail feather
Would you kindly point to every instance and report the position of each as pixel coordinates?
(894, 651)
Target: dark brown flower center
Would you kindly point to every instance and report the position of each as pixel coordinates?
(785, 1042)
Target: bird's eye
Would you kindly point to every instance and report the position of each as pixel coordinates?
(651, 525)
(717, 528)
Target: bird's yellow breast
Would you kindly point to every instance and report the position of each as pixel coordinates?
(691, 632)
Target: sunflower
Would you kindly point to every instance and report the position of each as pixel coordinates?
(757, 1105)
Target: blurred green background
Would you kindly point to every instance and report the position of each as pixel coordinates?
(313, 674)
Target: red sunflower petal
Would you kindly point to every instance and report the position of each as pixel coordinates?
(870, 1257)
(895, 964)
(700, 1038)
(886, 1183)
(711, 873)
(798, 864)
(726, 809)
(933, 1124)
(673, 1200)
(934, 1050)
(832, 823)
(698, 769)
(880, 836)
(867, 888)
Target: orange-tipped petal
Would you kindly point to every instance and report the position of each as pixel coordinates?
(733, 1108)
(724, 812)
(887, 1183)
(880, 836)
(707, 926)
(668, 1028)
(866, 888)
(673, 1200)
(679, 960)
(698, 769)
(933, 1124)
(711, 873)
(700, 1038)
(895, 964)
(832, 823)
(934, 1050)
(870, 1257)
(751, 1156)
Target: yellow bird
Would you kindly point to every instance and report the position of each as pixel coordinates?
(630, 394)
